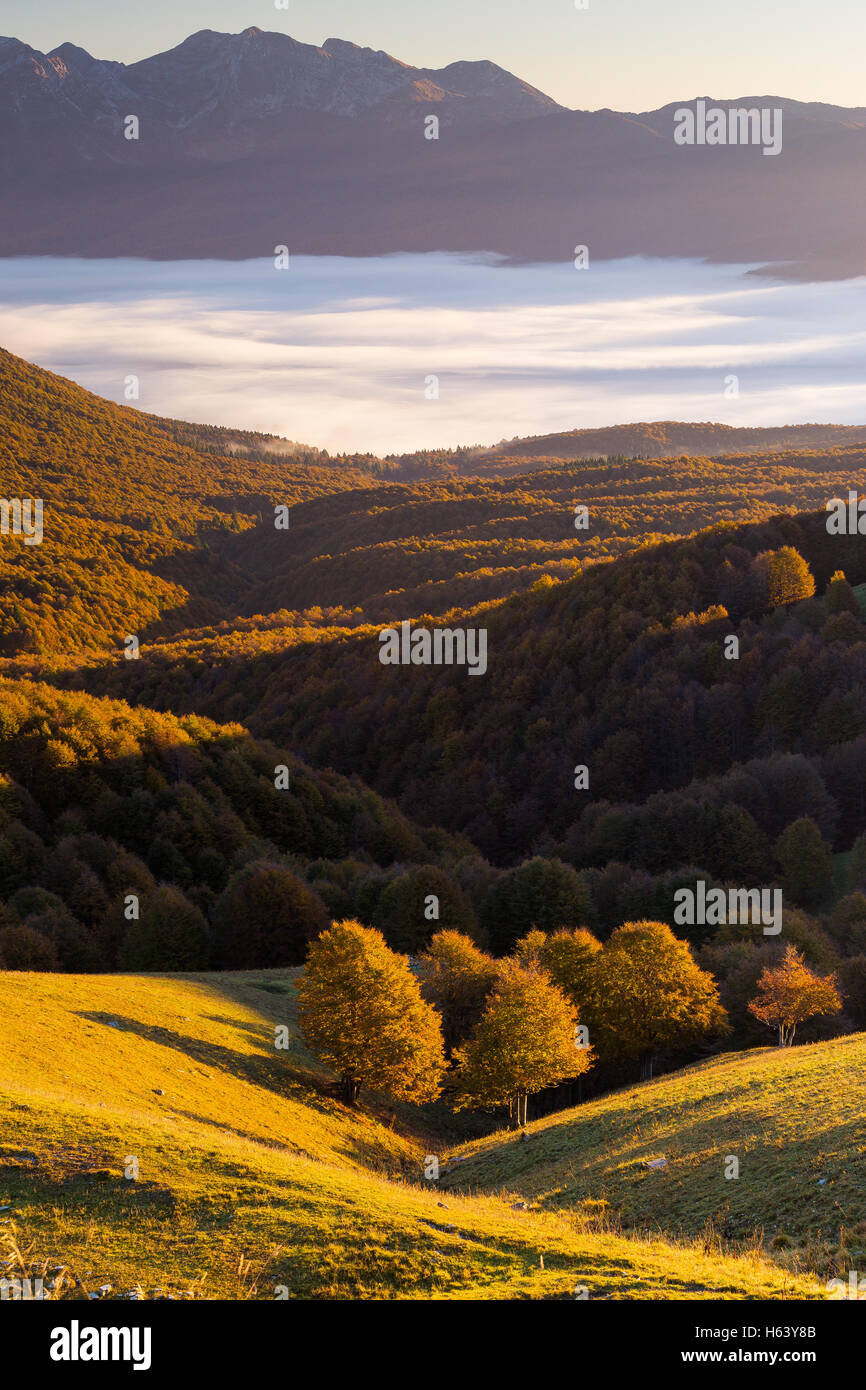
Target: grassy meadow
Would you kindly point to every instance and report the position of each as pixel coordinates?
(255, 1182)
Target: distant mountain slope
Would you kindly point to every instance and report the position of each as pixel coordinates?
(155, 526)
(253, 139)
(790, 1116)
(137, 524)
(245, 1157)
(671, 438)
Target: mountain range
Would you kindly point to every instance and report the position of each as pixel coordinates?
(253, 140)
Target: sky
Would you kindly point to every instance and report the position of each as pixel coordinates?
(343, 353)
(631, 55)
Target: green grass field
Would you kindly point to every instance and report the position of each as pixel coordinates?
(793, 1117)
(255, 1182)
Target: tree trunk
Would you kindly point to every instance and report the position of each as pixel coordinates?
(646, 1066)
(351, 1089)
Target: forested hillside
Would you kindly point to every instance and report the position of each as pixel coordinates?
(670, 438)
(136, 524)
(615, 749)
(151, 530)
(634, 651)
(134, 838)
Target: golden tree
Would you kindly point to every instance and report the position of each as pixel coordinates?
(782, 576)
(362, 1012)
(570, 958)
(790, 993)
(526, 1039)
(652, 994)
(456, 978)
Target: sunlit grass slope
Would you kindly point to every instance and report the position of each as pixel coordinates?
(252, 1176)
(794, 1119)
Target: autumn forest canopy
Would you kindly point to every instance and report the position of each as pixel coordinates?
(205, 765)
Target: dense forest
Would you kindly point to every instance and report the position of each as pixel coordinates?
(674, 693)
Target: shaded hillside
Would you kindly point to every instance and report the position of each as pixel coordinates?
(792, 1118)
(633, 651)
(696, 764)
(150, 529)
(99, 801)
(431, 547)
(136, 524)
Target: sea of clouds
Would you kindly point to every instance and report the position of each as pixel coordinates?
(339, 352)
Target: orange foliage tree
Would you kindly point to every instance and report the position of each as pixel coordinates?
(790, 993)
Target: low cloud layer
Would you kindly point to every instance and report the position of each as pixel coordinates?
(337, 352)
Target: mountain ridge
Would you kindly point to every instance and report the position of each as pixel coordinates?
(338, 77)
(253, 140)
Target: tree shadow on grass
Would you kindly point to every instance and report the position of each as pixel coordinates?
(274, 1074)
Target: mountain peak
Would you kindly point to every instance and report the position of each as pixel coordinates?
(74, 58)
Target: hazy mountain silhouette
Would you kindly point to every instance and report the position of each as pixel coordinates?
(251, 140)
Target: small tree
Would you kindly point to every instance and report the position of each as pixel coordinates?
(362, 1012)
(571, 960)
(857, 862)
(76, 948)
(781, 576)
(840, 597)
(848, 922)
(852, 974)
(23, 948)
(526, 1039)
(543, 893)
(456, 978)
(266, 917)
(806, 862)
(790, 993)
(403, 911)
(653, 995)
(171, 934)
